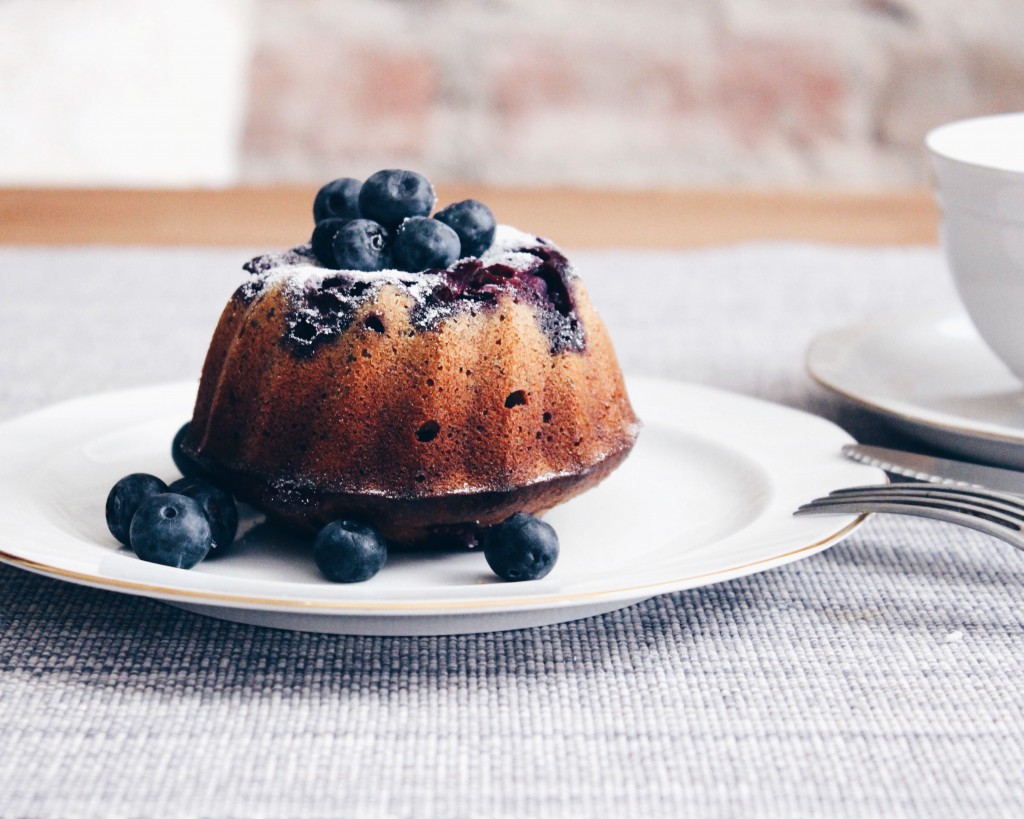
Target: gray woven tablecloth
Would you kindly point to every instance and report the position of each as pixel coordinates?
(882, 677)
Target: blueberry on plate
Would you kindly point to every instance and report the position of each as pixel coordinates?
(186, 464)
(521, 548)
(322, 240)
(338, 199)
(422, 243)
(347, 551)
(125, 498)
(474, 223)
(362, 244)
(179, 486)
(219, 506)
(390, 196)
(172, 530)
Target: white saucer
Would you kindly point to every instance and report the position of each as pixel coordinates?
(932, 378)
(707, 495)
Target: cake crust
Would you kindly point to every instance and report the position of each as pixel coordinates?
(427, 419)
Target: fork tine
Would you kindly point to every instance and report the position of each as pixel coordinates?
(1011, 504)
(859, 502)
(979, 510)
(979, 501)
(945, 515)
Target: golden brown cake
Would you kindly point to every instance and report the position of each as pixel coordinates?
(428, 404)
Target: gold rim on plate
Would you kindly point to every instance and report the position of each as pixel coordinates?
(151, 590)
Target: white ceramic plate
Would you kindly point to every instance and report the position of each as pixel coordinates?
(707, 495)
(932, 378)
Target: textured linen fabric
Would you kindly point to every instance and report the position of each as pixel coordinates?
(881, 677)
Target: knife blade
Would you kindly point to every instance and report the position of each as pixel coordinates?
(937, 470)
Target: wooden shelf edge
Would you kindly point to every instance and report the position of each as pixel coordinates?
(577, 218)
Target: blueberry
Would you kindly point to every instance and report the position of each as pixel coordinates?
(126, 497)
(323, 238)
(171, 530)
(473, 221)
(187, 465)
(362, 245)
(421, 244)
(179, 486)
(338, 199)
(217, 503)
(522, 548)
(390, 196)
(347, 551)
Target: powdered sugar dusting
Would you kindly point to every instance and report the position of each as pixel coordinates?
(300, 269)
(509, 247)
(322, 302)
(508, 238)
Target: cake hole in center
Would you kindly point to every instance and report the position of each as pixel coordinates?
(374, 322)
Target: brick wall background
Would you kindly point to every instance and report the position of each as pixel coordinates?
(583, 92)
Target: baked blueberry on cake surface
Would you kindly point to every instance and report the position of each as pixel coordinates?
(428, 376)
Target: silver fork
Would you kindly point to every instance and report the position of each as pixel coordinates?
(995, 513)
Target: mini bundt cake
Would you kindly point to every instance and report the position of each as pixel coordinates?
(429, 404)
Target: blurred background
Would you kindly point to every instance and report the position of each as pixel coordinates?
(582, 93)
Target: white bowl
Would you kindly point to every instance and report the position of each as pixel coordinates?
(979, 178)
